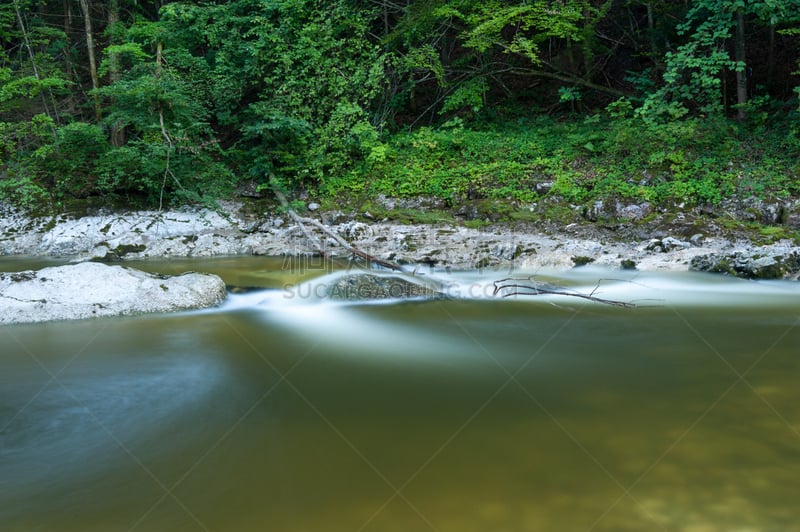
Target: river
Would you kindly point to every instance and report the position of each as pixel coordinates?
(281, 412)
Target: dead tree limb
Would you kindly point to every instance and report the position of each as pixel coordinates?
(302, 220)
(528, 286)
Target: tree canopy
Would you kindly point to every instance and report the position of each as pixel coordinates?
(178, 101)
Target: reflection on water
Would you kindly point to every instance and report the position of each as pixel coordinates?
(454, 415)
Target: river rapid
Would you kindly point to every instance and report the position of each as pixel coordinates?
(282, 411)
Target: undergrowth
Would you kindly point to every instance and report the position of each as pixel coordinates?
(694, 161)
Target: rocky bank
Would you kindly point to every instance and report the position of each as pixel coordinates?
(681, 244)
(90, 288)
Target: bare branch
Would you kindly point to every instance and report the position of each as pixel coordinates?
(301, 221)
(528, 286)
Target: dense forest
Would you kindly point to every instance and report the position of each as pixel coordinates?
(156, 103)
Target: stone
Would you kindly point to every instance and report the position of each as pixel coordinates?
(770, 264)
(249, 189)
(792, 218)
(697, 239)
(366, 286)
(354, 230)
(230, 231)
(89, 289)
(506, 251)
(634, 212)
(671, 243)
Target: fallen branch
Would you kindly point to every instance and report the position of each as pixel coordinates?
(518, 286)
(528, 286)
(301, 221)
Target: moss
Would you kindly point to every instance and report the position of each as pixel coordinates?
(776, 270)
(582, 261)
(416, 216)
(19, 277)
(525, 215)
(52, 221)
(118, 253)
(366, 287)
(771, 233)
(125, 249)
(476, 223)
(723, 266)
(484, 263)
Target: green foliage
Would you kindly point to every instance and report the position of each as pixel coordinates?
(194, 96)
(71, 163)
(687, 162)
(469, 95)
(295, 77)
(693, 75)
(458, 164)
(533, 22)
(23, 191)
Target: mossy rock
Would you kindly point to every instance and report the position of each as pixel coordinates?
(365, 287)
(118, 253)
(749, 267)
(582, 261)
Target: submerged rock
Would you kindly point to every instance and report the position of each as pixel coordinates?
(90, 289)
(366, 286)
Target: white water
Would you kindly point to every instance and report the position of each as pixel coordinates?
(640, 289)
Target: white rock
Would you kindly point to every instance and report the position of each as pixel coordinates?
(91, 289)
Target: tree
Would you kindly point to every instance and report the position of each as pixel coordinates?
(474, 50)
(90, 48)
(290, 83)
(695, 72)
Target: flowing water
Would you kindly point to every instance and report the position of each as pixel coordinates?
(282, 412)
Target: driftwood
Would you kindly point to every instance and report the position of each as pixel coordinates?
(302, 220)
(528, 286)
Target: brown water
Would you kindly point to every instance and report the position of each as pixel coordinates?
(282, 413)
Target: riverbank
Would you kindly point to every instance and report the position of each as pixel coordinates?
(683, 241)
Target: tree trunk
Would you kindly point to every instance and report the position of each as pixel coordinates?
(655, 52)
(87, 21)
(741, 70)
(573, 70)
(34, 67)
(117, 131)
(771, 57)
(68, 66)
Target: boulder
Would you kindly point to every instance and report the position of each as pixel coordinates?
(91, 289)
(367, 286)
